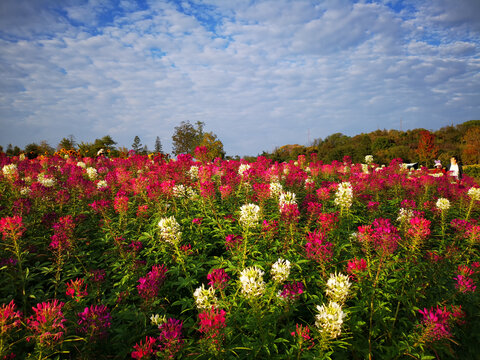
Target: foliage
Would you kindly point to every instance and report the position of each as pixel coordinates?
(187, 137)
(138, 257)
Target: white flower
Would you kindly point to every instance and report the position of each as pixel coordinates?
(21, 157)
(404, 215)
(275, 188)
(193, 172)
(170, 230)
(252, 282)
(92, 173)
(338, 286)
(9, 170)
(242, 168)
(287, 198)
(46, 181)
(205, 298)
(309, 181)
(344, 195)
(25, 191)
(81, 164)
(474, 193)
(365, 168)
(281, 270)
(249, 215)
(184, 191)
(443, 204)
(158, 320)
(369, 159)
(329, 319)
(102, 184)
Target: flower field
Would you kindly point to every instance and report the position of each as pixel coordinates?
(150, 259)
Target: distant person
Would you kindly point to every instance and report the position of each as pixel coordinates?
(438, 168)
(455, 169)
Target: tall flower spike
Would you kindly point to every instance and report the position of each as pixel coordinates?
(170, 230)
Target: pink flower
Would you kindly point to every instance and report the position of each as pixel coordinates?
(76, 289)
(218, 279)
(170, 339)
(47, 323)
(9, 318)
(149, 286)
(142, 211)
(95, 321)
(289, 213)
(323, 194)
(233, 242)
(262, 191)
(12, 227)
(302, 333)
(465, 284)
(145, 350)
(419, 228)
(63, 233)
(207, 189)
(212, 322)
(225, 191)
(197, 221)
(317, 248)
(121, 204)
(292, 291)
(356, 266)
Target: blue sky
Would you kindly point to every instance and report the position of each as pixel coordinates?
(259, 74)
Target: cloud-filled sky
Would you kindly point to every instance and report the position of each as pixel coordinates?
(259, 74)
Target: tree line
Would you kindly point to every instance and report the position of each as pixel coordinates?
(417, 145)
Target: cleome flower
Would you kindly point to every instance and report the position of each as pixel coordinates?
(474, 193)
(287, 198)
(170, 230)
(205, 297)
(249, 215)
(280, 270)
(344, 195)
(338, 286)
(443, 204)
(252, 282)
(329, 319)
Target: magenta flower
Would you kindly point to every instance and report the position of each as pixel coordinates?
(12, 227)
(465, 284)
(207, 189)
(317, 248)
(120, 204)
(95, 321)
(291, 291)
(233, 242)
(46, 324)
(218, 279)
(225, 191)
(9, 318)
(149, 286)
(289, 213)
(145, 350)
(355, 267)
(170, 339)
(77, 289)
(302, 333)
(63, 234)
(212, 321)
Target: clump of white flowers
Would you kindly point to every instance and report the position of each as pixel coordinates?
(281, 270)
(338, 286)
(329, 319)
(157, 319)
(92, 173)
(275, 188)
(205, 297)
(182, 191)
(365, 168)
(193, 172)
(287, 198)
(249, 215)
(45, 180)
(170, 230)
(9, 170)
(443, 204)
(25, 190)
(344, 196)
(102, 184)
(252, 282)
(242, 168)
(81, 164)
(404, 215)
(474, 193)
(309, 181)
(369, 159)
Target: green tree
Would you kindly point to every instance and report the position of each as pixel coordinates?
(137, 145)
(158, 146)
(67, 143)
(187, 137)
(214, 145)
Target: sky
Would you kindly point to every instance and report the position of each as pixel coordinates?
(259, 74)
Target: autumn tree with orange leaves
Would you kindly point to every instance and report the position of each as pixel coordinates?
(427, 149)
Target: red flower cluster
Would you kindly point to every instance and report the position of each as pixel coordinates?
(12, 227)
(218, 279)
(437, 322)
(63, 234)
(149, 285)
(95, 321)
(76, 289)
(317, 248)
(46, 325)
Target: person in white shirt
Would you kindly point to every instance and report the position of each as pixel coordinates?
(455, 168)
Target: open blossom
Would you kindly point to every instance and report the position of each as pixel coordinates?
(170, 230)
(9, 318)
(212, 321)
(12, 227)
(193, 172)
(404, 215)
(252, 282)
(218, 279)
(344, 195)
(419, 228)
(9, 170)
(275, 188)
(280, 270)
(233, 242)
(356, 266)
(121, 204)
(249, 215)
(437, 322)
(145, 349)
(287, 198)
(205, 297)
(46, 325)
(76, 289)
(465, 284)
(317, 248)
(92, 173)
(46, 180)
(443, 204)
(63, 233)
(291, 291)
(338, 286)
(243, 168)
(149, 286)
(369, 159)
(102, 184)
(95, 321)
(329, 319)
(474, 193)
